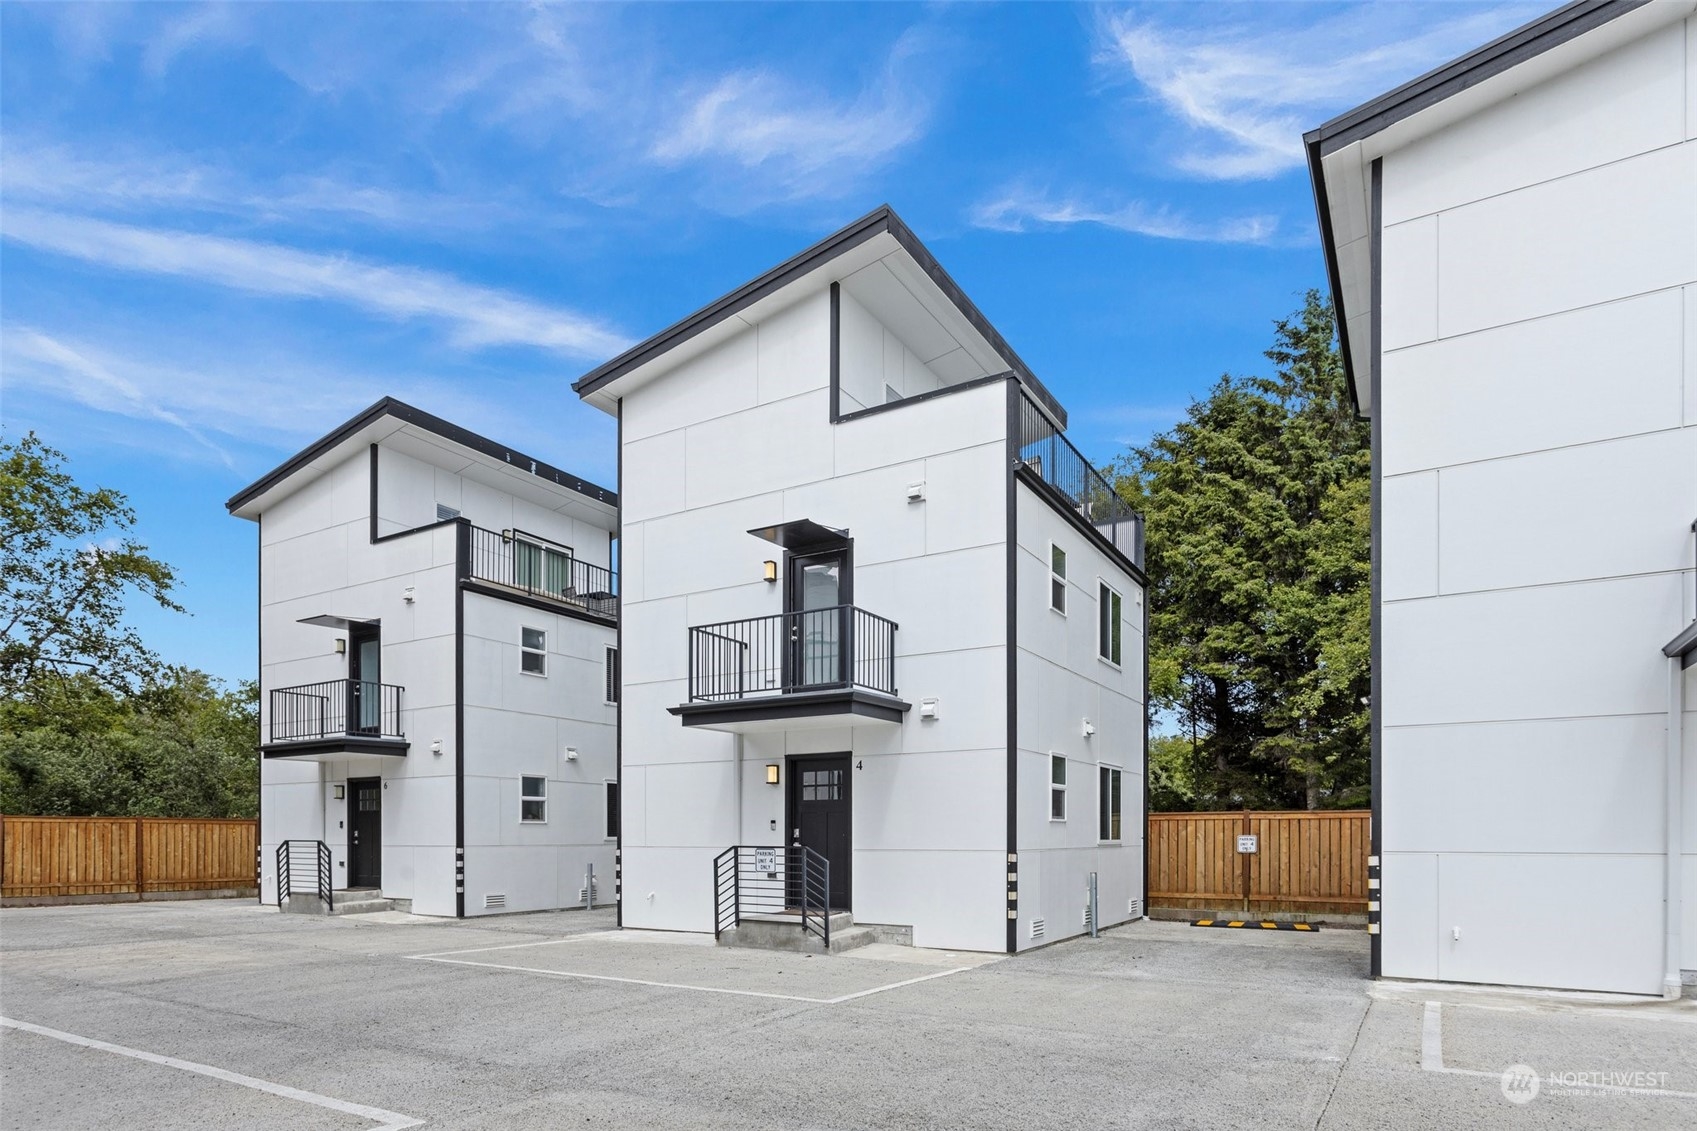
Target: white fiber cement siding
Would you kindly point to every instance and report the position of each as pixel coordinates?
(317, 558)
(1062, 682)
(520, 724)
(1538, 421)
(740, 437)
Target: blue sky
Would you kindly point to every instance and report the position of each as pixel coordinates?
(226, 228)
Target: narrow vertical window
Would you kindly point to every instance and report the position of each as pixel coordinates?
(533, 799)
(611, 673)
(1057, 787)
(612, 810)
(1108, 803)
(533, 651)
(1109, 609)
(1057, 579)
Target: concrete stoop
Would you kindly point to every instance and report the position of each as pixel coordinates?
(783, 932)
(349, 902)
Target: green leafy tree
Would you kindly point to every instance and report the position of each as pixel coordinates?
(66, 566)
(1258, 550)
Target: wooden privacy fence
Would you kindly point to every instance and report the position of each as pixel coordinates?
(51, 857)
(1304, 861)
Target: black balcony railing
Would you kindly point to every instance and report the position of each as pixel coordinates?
(1050, 455)
(336, 708)
(541, 568)
(785, 653)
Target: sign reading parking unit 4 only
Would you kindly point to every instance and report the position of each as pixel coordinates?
(766, 860)
(1248, 842)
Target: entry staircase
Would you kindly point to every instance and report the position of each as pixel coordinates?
(777, 898)
(304, 884)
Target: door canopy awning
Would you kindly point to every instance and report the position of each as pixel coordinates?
(325, 620)
(802, 536)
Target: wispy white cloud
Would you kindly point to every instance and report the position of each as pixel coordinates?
(475, 316)
(1245, 95)
(31, 358)
(794, 140)
(1020, 209)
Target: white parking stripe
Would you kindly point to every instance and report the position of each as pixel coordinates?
(677, 985)
(1432, 1060)
(386, 1120)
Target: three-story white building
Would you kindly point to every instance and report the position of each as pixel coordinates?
(437, 664)
(883, 626)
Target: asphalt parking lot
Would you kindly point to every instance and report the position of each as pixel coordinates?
(221, 1014)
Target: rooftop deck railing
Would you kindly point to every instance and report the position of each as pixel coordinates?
(1053, 459)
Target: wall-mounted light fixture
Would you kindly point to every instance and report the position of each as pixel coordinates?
(341, 646)
(771, 570)
(340, 791)
(771, 773)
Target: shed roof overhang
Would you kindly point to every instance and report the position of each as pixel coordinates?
(1683, 647)
(877, 259)
(436, 441)
(802, 535)
(1341, 152)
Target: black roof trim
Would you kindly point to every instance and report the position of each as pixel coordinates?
(880, 220)
(453, 433)
(1528, 41)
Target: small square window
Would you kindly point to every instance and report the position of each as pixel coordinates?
(533, 799)
(1057, 787)
(1057, 579)
(533, 654)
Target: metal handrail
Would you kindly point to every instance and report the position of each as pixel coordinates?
(785, 653)
(1046, 452)
(317, 867)
(753, 880)
(336, 708)
(541, 567)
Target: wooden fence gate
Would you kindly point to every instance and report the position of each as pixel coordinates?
(54, 857)
(1304, 861)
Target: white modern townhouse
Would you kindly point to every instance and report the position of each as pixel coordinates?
(1512, 242)
(437, 664)
(882, 624)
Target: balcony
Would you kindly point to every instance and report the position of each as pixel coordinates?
(820, 667)
(338, 716)
(517, 562)
(1048, 459)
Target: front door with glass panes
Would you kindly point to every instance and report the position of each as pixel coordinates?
(365, 673)
(821, 818)
(816, 608)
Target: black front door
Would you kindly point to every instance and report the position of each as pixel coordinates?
(365, 833)
(819, 593)
(820, 816)
(365, 671)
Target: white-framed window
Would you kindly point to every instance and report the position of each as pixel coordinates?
(533, 651)
(1110, 607)
(610, 676)
(1057, 787)
(1057, 579)
(612, 810)
(533, 799)
(1108, 803)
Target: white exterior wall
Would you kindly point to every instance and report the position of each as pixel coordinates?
(1062, 682)
(317, 558)
(874, 360)
(740, 437)
(1538, 421)
(516, 724)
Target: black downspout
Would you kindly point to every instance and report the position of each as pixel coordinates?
(462, 570)
(1012, 690)
(1375, 917)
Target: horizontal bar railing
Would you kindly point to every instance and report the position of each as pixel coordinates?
(784, 653)
(303, 868)
(1048, 454)
(760, 881)
(534, 565)
(336, 708)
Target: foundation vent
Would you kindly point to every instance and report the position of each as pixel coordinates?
(1037, 928)
(1087, 916)
(498, 899)
(583, 892)
(1131, 908)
